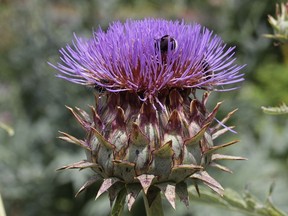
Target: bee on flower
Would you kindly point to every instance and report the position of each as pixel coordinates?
(148, 131)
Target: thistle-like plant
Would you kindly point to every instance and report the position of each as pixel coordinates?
(280, 28)
(150, 130)
(279, 23)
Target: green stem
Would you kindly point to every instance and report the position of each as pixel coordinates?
(284, 48)
(155, 208)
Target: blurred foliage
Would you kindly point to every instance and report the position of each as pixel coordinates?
(32, 100)
(271, 79)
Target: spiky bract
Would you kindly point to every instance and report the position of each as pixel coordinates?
(136, 145)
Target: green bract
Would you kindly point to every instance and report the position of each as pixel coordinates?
(139, 146)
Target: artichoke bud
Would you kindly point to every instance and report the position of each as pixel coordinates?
(157, 147)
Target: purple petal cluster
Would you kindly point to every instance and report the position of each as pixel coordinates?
(127, 57)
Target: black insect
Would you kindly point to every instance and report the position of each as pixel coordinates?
(208, 73)
(101, 89)
(164, 42)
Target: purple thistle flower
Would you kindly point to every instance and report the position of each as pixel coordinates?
(148, 130)
(129, 57)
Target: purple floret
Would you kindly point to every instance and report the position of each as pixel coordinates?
(132, 56)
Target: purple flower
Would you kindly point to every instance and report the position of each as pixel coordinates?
(150, 55)
(148, 130)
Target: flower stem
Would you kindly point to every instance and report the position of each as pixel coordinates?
(285, 52)
(156, 207)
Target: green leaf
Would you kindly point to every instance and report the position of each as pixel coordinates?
(234, 198)
(282, 109)
(244, 203)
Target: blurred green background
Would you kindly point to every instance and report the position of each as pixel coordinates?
(32, 101)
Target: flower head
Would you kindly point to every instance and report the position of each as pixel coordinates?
(148, 130)
(148, 56)
(279, 23)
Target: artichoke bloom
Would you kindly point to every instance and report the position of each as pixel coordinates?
(149, 131)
